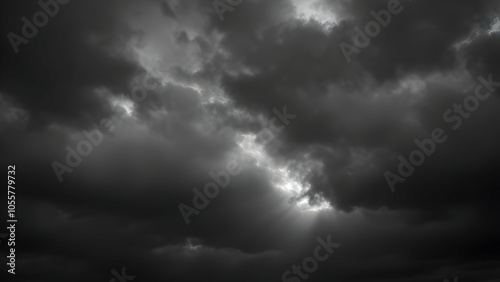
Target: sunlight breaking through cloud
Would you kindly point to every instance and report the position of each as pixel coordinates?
(282, 177)
(315, 10)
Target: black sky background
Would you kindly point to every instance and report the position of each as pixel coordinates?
(222, 80)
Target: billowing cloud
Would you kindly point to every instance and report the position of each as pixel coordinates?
(120, 114)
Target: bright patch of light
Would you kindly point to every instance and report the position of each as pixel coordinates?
(495, 27)
(121, 101)
(124, 103)
(307, 10)
(282, 177)
(304, 205)
(250, 147)
(477, 32)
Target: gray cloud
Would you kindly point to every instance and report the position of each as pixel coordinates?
(221, 81)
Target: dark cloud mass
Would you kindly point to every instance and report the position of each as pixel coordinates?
(173, 95)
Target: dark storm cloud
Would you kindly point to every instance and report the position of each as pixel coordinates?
(55, 74)
(120, 206)
(361, 134)
(300, 65)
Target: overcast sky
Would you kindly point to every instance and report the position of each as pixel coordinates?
(113, 111)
